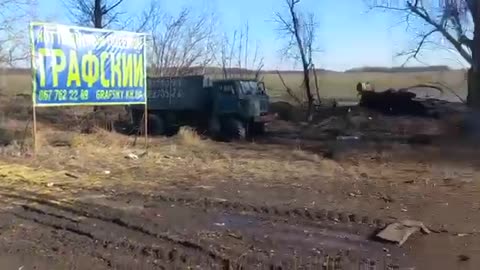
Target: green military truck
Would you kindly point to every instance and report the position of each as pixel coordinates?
(229, 108)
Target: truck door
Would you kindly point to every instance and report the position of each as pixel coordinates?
(226, 99)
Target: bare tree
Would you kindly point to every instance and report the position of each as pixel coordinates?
(300, 32)
(14, 43)
(182, 43)
(13, 23)
(236, 57)
(457, 22)
(95, 13)
(108, 13)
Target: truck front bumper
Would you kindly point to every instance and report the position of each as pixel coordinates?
(268, 117)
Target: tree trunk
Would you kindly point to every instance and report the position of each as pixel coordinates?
(306, 81)
(473, 98)
(97, 14)
(97, 23)
(317, 90)
(305, 63)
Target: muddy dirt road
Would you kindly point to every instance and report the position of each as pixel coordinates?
(131, 231)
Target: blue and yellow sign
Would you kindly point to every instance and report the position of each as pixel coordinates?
(87, 66)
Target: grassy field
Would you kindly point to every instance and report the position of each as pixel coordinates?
(13, 83)
(336, 85)
(341, 85)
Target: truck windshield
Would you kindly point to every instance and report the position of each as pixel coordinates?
(250, 87)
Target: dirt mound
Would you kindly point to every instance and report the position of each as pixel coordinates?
(287, 111)
(364, 123)
(6, 136)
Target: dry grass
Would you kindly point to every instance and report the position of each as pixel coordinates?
(99, 160)
(12, 173)
(187, 136)
(48, 138)
(299, 154)
(102, 138)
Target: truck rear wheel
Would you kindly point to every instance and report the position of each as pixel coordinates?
(170, 127)
(136, 121)
(156, 124)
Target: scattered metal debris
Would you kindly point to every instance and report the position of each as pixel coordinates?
(399, 232)
(463, 258)
(131, 156)
(348, 138)
(395, 101)
(71, 175)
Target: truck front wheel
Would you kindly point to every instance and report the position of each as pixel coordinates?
(257, 128)
(235, 129)
(214, 127)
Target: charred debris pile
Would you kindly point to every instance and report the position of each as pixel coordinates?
(403, 101)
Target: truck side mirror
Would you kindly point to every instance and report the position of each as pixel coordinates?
(261, 87)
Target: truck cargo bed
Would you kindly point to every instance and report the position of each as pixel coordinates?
(178, 93)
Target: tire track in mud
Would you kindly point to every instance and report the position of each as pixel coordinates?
(183, 252)
(40, 211)
(305, 214)
(321, 218)
(179, 255)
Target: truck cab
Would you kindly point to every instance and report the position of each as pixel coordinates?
(240, 107)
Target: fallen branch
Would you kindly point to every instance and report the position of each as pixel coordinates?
(289, 90)
(444, 86)
(440, 89)
(316, 84)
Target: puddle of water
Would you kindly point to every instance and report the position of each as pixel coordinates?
(238, 222)
(305, 239)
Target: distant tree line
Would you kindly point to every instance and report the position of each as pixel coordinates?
(399, 69)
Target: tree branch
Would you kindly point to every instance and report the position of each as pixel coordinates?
(414, 53)
(422, 13)
(107, 10)
(448, 20)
